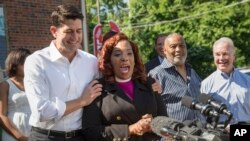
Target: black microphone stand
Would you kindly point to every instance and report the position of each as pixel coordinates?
(230, 116)
(215, 122)
(212, 122)
(175, 138)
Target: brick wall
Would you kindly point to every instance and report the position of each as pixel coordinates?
(27, 23)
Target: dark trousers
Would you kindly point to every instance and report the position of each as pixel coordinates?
(37, 136)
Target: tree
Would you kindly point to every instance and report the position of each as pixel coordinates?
(200, 22)
(109, 10)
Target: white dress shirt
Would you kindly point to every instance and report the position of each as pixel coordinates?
(51, 80)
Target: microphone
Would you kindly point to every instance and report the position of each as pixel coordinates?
(165, 126)
(220, 107)
(206, 110)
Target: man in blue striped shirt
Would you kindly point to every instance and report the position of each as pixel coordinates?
(177, 78)
(227, 84)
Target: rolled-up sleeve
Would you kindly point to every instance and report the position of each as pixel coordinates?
(43, 106)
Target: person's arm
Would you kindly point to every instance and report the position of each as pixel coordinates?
(44, 106)
(92, 122)
(95, 128)
(161, 106)
(5, 122)
(89, 94)
(157, 90)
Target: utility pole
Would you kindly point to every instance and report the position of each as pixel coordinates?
(98, 11)
(97, 32)
(85, 29)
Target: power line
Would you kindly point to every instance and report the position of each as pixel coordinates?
(179, 7)
(126, 9)
(183, 18)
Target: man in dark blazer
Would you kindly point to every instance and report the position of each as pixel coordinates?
(159, 44)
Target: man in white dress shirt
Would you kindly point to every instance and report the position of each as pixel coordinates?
(58, 80)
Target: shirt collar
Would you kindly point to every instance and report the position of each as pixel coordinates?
(166, 64)
(160, 58)
(113, 86)
(225, 75)
(54, 52)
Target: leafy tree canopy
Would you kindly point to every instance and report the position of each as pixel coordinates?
(200, 22)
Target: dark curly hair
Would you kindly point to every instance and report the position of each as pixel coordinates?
(105, 66)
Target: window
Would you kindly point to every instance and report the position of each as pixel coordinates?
(3, 43)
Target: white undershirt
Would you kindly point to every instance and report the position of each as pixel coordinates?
(122, 80)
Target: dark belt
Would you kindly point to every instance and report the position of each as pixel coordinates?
(66, 135)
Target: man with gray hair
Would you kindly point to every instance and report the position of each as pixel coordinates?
(227, 84)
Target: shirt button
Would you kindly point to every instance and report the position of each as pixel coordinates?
(118, 118)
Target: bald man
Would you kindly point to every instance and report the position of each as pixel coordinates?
(177, 78)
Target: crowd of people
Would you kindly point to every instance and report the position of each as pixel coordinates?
(63, 93)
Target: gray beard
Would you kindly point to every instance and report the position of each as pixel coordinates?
(178, 61)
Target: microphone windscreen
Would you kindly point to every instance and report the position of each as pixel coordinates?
(204, 98)
(160, 122)
(164, 126)
(187, 101)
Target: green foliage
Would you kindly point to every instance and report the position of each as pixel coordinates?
(201, 60)
(201, 22)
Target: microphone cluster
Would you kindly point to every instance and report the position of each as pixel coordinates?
(208, 107)
(170, 128)
(179, 131)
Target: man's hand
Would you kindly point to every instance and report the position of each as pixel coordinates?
(23, 138)
(93, 90)
(157, 87)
